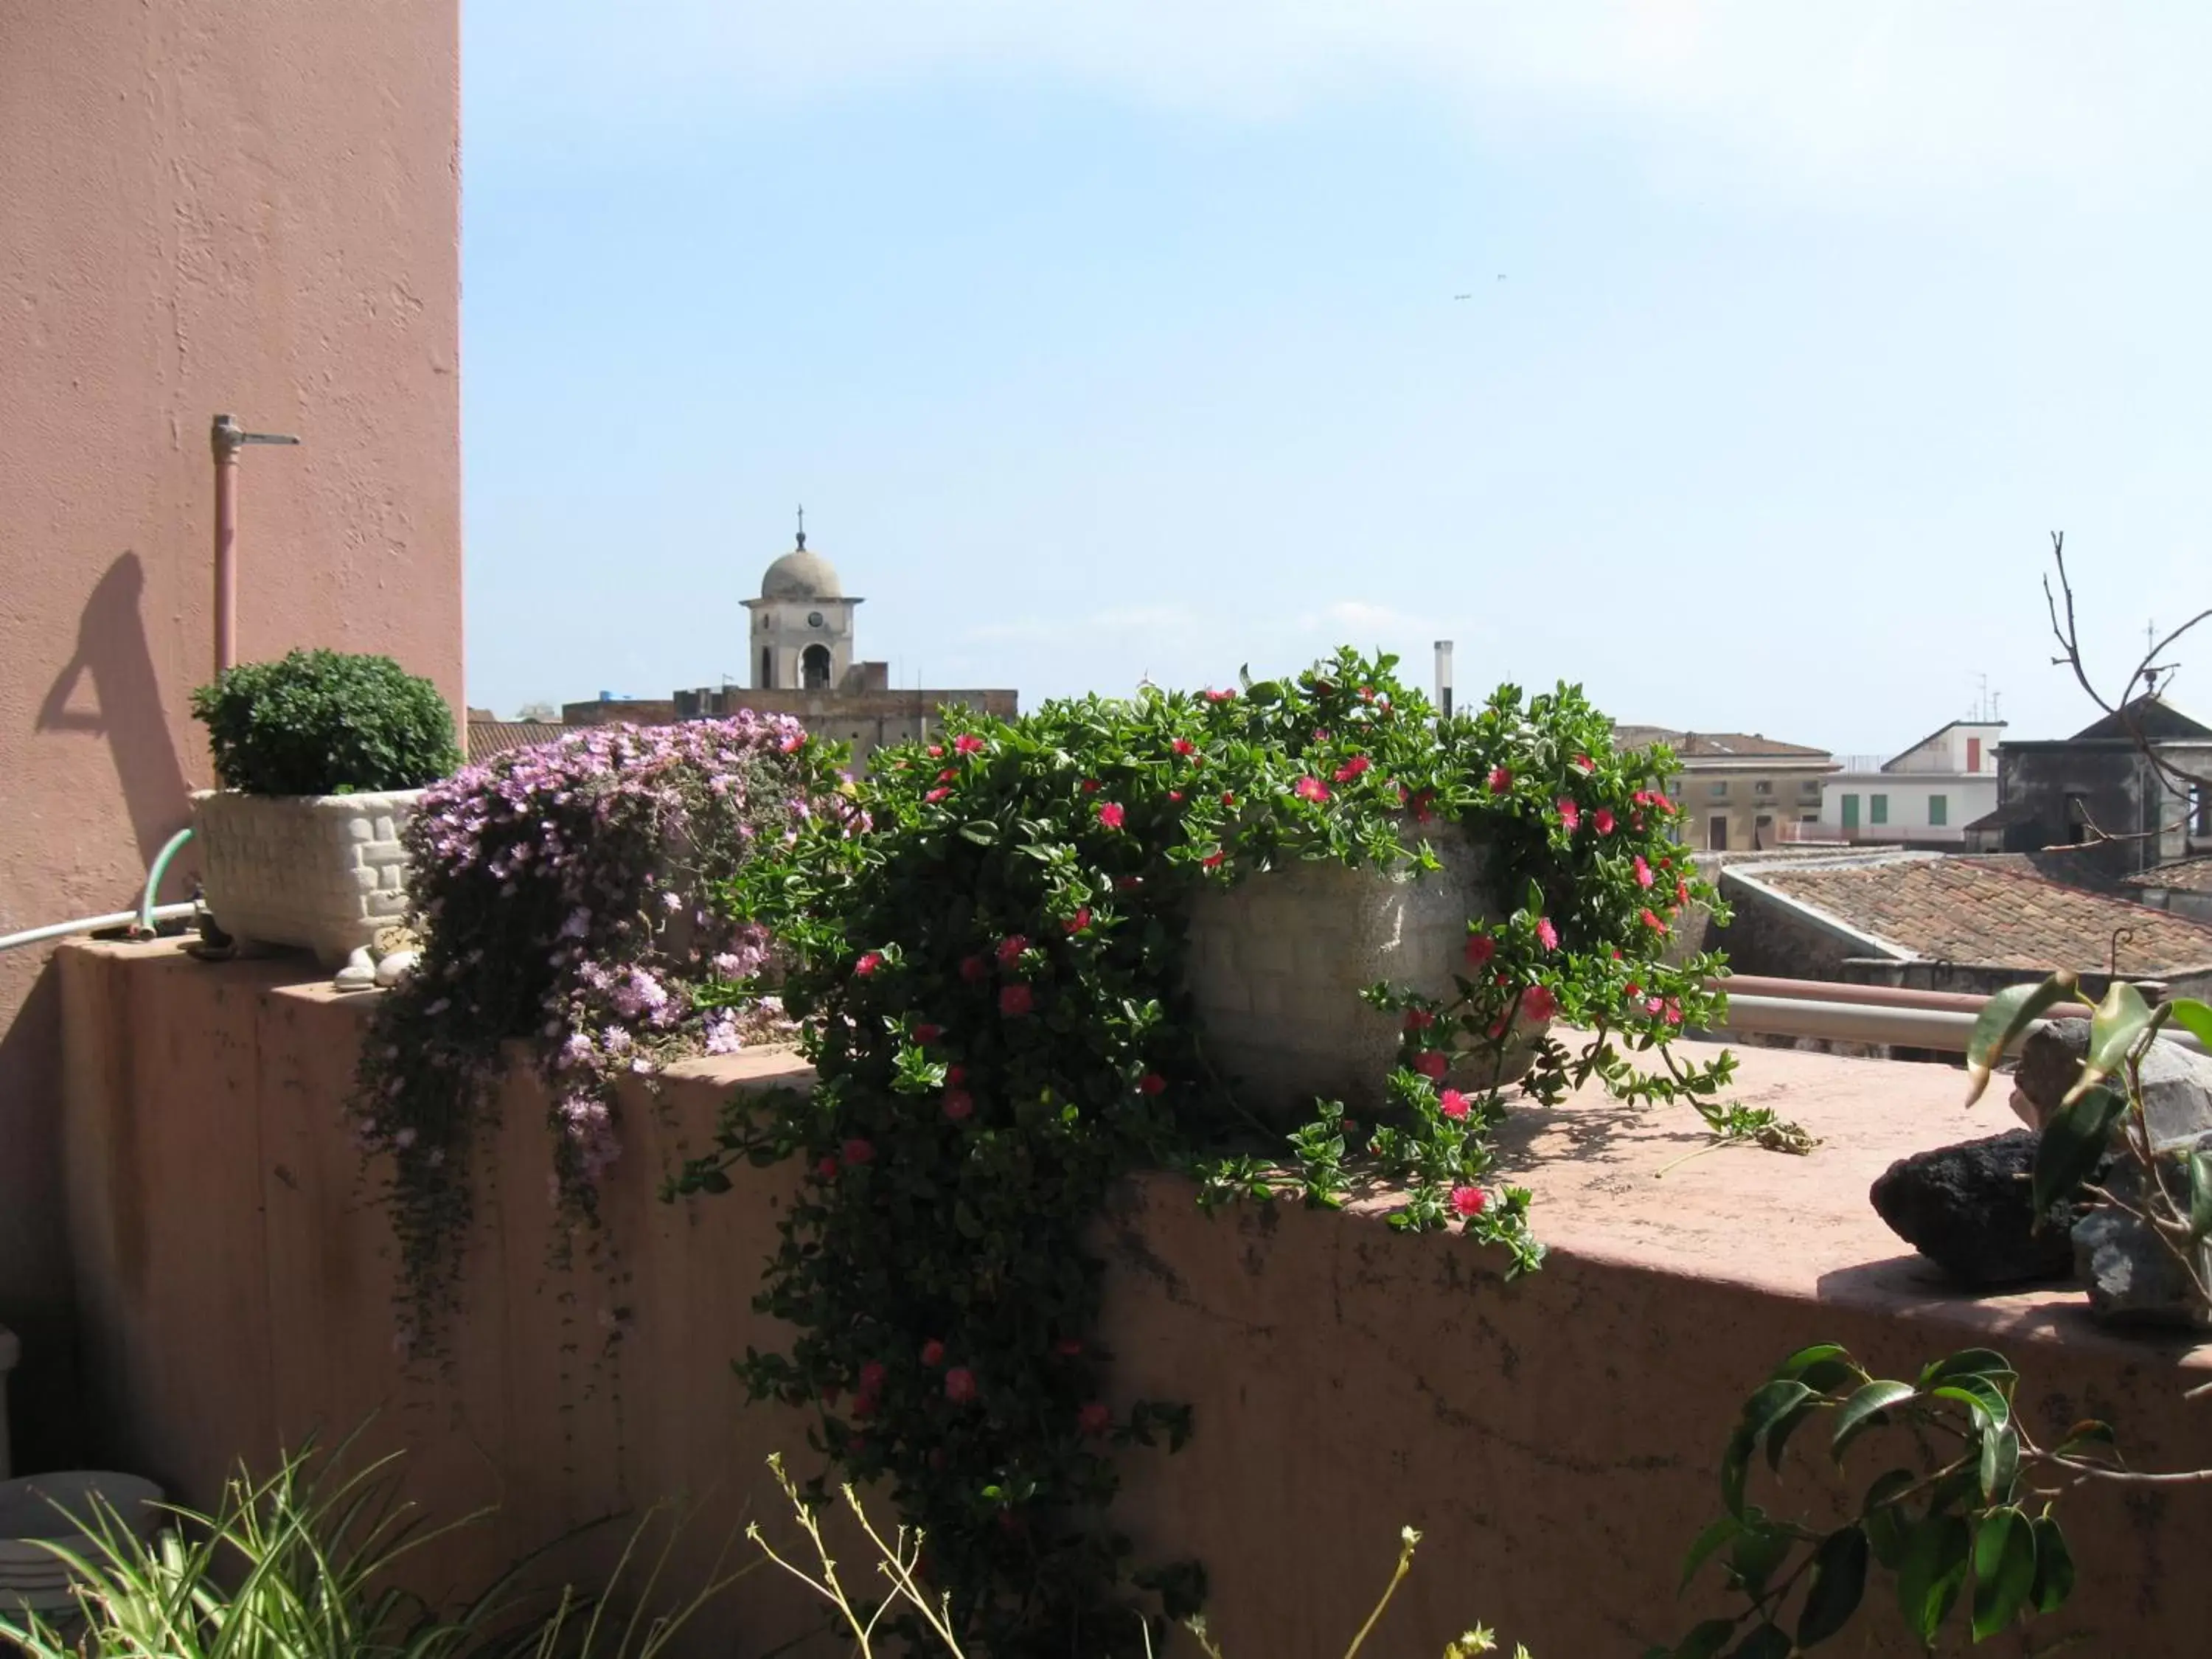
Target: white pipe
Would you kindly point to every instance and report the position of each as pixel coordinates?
(94, 924)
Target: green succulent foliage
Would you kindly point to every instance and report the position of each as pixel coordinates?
(1966, 1513)
(325, 723)
(990, 976)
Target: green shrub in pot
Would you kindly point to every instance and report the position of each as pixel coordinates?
(325, 723)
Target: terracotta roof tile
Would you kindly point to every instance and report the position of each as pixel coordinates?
(489, 737)
(1713, 745)
(2183, 875)
(1970, 911)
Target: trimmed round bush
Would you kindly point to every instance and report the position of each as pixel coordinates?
(326, 723)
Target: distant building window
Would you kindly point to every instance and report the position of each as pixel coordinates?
(2200, 811)
(1809, 817)
(1763, 786)
(1719, 791)
(1850, 812)
(1716, 832)
(814, 668)
(1938, 811)
(1810, 787)
(1973, 754)
(1877, 808)
(768, 669)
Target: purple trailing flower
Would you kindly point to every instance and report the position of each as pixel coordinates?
(567, 893)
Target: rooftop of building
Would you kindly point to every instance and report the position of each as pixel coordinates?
(1715, 745)
(2182, 876)
(2148, 718)
(1985, 911)
(489, 736)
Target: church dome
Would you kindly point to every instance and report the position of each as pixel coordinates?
(799, 574)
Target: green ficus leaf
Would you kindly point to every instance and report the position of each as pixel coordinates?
(2072, 1143)
(1822, 1367)
(1768, 1405)
(2004, 1017)
(1701, 1548)
(2054, 1567)
(1885, 1521)
(1931, 1573)
(1838, 1583)
(1864, 1409)
(2089, 1438)
(2115, 1028)
(2004, 1569)
(2193, 1016)
(1758, 1550)
(1982, 1397)
(1967, 1362)
(1778, 1433)
(2000, 1463)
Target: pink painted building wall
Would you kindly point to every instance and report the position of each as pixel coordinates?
(227, 206)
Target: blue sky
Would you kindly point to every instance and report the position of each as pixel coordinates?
(1105, 341)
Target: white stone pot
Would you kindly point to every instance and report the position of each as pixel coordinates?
(322, 872)
(1277, 965)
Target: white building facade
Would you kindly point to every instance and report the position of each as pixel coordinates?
(1924, 797)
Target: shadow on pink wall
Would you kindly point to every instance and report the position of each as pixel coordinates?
(126, 705)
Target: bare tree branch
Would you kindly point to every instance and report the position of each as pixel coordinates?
(2147, 674)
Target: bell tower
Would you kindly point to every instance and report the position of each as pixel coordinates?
(802, 626)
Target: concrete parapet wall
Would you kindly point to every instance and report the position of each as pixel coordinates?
(1555, 1439)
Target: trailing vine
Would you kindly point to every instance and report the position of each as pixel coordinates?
(991, 986)
(564, 894)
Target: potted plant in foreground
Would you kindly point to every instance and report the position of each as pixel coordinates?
(321, 756)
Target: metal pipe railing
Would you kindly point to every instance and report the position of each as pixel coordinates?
(1944, 1030)
(1816, 990)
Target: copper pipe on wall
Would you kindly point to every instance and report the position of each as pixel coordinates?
(227, 438)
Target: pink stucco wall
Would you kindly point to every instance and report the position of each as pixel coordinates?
(1556, 1438)
(226, 206)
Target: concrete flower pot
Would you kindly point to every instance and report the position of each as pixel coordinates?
(1277, 965)
(320, 872)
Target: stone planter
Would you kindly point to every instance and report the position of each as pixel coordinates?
(321, 871)
(1277, 965)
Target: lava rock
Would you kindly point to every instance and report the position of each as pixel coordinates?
(1968, 1208)
(2176, 1084)
(2132, 1276)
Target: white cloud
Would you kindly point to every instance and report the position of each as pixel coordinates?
(1886, 94)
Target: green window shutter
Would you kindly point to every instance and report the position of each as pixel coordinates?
(1850, 812)
(1939, 810)
(1878, 808)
